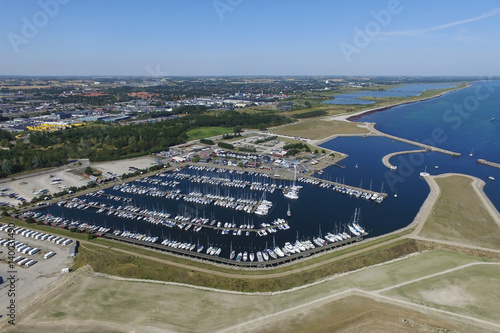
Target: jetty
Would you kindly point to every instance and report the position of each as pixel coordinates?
(349, 189)
(491, 164)
(387, 157)
(423, 145)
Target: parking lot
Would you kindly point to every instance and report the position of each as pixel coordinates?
(33, 279)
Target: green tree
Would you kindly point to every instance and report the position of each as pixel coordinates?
(237, 129)
(7, 167)
(89, 171)
(37, 161)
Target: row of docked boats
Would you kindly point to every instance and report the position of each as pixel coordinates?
(373, 196)
(61, 222)
(292, 192)
(260, 256)
(239, 204)
(211, 250)
(221, 179)
(136, 236)
(300, 246)
(181, 245)
(195, 224)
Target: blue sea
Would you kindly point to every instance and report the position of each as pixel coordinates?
(465, 121)
(469, 120)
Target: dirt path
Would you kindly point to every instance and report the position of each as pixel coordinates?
(428, 205)
(254, 324)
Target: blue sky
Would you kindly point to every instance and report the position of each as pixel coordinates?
(249, 37)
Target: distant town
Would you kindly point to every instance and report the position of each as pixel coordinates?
(48, 104)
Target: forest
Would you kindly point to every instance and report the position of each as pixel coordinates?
(106, 141)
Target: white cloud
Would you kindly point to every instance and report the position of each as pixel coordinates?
(418, 32)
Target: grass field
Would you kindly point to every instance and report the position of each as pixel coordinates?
(357, 314)
(206, 132)
(319, 129)
(157, 306)
(421, 265)
(120, 264)
(471, 291)
(460, 216)
(183, 309)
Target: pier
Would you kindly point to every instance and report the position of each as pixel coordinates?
(491, 164)
(423, 145)
(232, 262)
(349, 187)
(387, 157)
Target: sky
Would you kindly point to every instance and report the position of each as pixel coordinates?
(250, 37)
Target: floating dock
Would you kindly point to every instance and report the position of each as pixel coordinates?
(354, 188)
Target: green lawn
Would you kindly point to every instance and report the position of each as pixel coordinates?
(460, 216)
(206, 132)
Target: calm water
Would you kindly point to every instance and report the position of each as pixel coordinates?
(316, 209)
(325, 209)
(465, 121)
(468, 118)
(403, 91)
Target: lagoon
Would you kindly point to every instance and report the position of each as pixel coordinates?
(403, 91)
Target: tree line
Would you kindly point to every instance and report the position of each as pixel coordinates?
(105, 142)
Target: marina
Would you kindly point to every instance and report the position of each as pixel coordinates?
(248, 216)
(199, 211)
